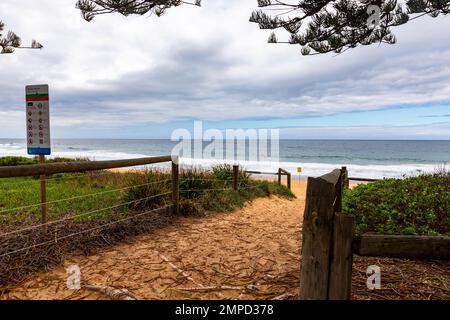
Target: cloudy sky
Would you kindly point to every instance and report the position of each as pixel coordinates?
(143, 77)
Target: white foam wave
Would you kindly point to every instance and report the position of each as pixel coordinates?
(15, 149)
(308, 169)
(318, 169)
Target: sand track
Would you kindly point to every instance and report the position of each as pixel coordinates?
(253, 253)
(250, 253)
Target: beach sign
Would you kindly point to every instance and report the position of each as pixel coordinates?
(299, 169)
(38, 119)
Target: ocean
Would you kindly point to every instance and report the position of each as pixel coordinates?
(367, 159)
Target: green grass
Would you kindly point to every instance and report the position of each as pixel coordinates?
(411, 206)
(17, 161)
(24, 192)
(200, 192)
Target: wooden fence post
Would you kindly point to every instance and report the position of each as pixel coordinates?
(289, 180)
(175, 187)
(279, 176)
(345, 181)
(317, 236)
(43, 196)
(340, 282)
(235, 177)
(338, 192)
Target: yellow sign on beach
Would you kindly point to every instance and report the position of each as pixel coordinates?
(299, 169)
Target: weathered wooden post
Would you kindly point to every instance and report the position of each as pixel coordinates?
(43, 196)
(345, 181)
(289, 180)
(175, 186)
(340, 282)
(338, 193)
(317, 236)
(235, 177)
(279, 176)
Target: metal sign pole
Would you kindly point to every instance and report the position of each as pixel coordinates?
(43, 195)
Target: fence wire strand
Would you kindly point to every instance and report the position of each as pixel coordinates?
(82, 232)
(82, 214)
(204, 190)
(81, 196)
(91, 174)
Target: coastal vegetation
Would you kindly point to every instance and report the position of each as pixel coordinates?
(97, 195)
(410, 206)
(17, 161)
(87, 211)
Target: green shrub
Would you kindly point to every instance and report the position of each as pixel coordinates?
(416, 205)
(20, 161)
(224, 172)
(16, 161)
(145, 189)
(62, 159)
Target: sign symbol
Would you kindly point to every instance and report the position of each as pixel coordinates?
(37, 119)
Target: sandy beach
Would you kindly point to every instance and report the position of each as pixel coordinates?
(252, 253)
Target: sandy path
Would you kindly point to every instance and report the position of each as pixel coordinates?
(250, 253)
(253, 253)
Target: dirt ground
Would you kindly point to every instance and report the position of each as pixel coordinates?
(253, 253)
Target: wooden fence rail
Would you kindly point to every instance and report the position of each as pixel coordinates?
(407, 247)
(362, 179)
(282, 172)
(329, 241)
(279, 173)
(261, 172)
(83, 166)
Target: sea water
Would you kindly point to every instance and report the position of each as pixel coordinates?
(363, 158)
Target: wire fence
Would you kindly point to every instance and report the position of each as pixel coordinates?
(81, 196)
(83, 214)
(3, 211)
(147, 195)
(56, 239)
(65, 178)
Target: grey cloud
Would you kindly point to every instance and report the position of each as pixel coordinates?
(437, 116)
(174, 69)
(437, 131)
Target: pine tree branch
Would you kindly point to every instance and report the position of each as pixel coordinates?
(91, 8)
(12, 41)
(323, 26)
